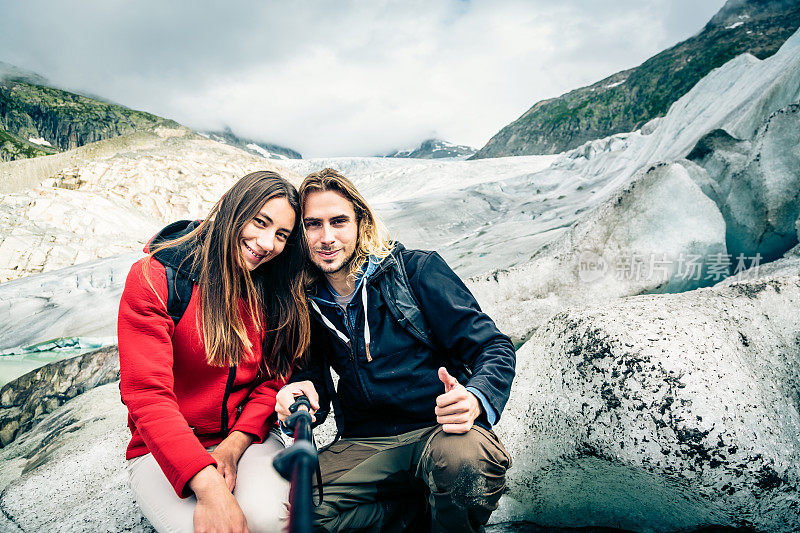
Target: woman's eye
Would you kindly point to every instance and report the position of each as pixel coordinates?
(259, 222)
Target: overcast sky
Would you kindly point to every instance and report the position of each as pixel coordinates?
(340, 77)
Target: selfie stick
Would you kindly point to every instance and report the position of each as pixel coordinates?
(297, 464)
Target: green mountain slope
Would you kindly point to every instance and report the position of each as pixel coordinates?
(13, 147)
(626, 100)
(30, 110)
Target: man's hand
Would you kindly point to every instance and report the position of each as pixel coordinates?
(456, 409)
(227, 455)
(288, 393)
(217, 511)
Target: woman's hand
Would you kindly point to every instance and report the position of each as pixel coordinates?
(227, 454)
(217, 510)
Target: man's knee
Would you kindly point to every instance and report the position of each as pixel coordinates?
(464, 463)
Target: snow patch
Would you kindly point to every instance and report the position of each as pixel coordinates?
(615, 84)
(265, 153)
(39, 140)
(734, 25)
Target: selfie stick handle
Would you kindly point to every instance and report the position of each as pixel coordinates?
(297, 464)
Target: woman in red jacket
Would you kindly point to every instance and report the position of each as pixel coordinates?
(200, 388)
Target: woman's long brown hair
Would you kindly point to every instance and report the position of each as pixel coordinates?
(274, 292)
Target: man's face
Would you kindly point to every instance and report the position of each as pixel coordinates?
(331, 229)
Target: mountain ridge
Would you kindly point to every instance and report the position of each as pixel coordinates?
(38, 119)
(626, 100)
(434, 148)
(61, 120)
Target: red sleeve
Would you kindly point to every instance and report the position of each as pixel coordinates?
(146, 380)
(256, 417)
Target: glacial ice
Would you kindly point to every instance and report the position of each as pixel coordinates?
(659, 412)
(492, 215)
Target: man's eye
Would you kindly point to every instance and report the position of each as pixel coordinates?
(312, 224)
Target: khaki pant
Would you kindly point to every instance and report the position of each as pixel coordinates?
(421, 480)
(260, 491)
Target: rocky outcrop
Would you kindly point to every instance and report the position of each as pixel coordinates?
(626, 100)
(68, 473)
(66, 120)
(25, 401)
(13, 147)
(661, 413)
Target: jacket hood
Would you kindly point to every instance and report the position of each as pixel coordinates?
(176, 257)
(387, 261)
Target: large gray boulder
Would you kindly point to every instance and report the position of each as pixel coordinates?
(68, 474)
(662, 412)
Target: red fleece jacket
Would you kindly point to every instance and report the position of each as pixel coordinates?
(174, 397)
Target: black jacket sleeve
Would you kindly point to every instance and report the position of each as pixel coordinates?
(460, 328)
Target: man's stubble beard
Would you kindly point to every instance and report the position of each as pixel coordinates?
(345, 264)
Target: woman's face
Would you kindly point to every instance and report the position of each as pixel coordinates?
(264, 236)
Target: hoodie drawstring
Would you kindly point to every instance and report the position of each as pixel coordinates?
(341, 335)
(328, 323)
(366, 321)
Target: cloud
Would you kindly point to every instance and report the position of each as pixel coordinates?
(341, 78)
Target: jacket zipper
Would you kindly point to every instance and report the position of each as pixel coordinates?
(353, 351)
(350, 328)
(228, 386)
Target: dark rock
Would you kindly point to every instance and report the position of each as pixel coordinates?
(65, 120)
(26, 400)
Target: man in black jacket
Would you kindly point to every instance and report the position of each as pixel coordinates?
(423, 376)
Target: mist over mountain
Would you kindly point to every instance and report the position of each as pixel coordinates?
(38, 119)
(268, 150)
(628, 99)
(435, 149)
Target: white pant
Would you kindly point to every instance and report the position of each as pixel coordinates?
(260, 491)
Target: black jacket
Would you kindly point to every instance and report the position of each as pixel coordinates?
(396, 390)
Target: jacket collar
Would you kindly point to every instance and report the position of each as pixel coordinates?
(322, 292)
